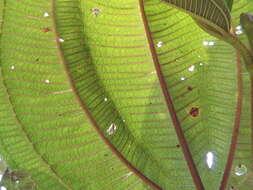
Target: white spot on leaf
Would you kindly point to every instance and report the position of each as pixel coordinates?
(208, 43)
(3, 188)
(205, 43)
(47, 81)
(95, 11)
(61, 40)
(111, 130)
(152, 73)
(239, 27)
(159, 44)
(46, 14)
(129, 174)
(191, 68)
(241, 170)
(238, 32)
(209, 159)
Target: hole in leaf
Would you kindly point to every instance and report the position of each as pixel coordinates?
(47, 81)
(15, 178)
(61, 40)
(111, 130)
(159, 44)
(3, 188)
(95, 11)
(209, 159)
(46, 14)
(194, 112)
(208, 43)
(241, 170)
(183, 78)
(238, 32)
(201, 64)
(105, 99)
(191, 68)
(205, 43)
(12, 67)
(239, 27)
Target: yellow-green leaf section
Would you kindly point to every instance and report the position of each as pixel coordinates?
(200, 73)
(43, 127)
(81, 90)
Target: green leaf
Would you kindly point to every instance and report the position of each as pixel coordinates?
(124, 95)
(230, 4)
(44, 129)
(243, 153)
(247, 24)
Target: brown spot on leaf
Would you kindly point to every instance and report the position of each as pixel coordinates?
(189, 88)
(178, 146)
(45, 30)
(194, 112)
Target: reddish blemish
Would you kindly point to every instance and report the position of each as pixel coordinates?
(194, 112)
(45, 30)
(189, 88)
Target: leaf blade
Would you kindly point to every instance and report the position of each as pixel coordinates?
(214, 13)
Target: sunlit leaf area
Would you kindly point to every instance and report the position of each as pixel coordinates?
(126, 95)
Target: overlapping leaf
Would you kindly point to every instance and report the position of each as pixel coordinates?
(210, 14)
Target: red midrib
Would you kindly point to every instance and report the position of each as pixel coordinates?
(87, 113)
(235, 134)
(168, 100)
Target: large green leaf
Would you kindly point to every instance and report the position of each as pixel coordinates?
(43, 128)
(243, 155)
(213, 66)
(101, 95)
